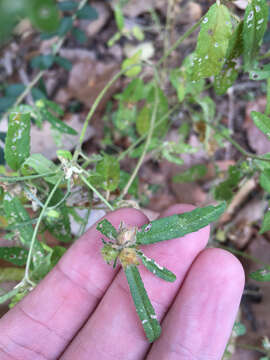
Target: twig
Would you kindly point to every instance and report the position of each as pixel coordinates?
(147, 143)
(230, 120)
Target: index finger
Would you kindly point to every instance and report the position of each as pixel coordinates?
(44, 322)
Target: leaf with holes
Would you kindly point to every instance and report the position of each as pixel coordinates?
(142, 303)
(255, 25)
(107, 229)
(14, 255)
(17, 145)
(226, 78)
(213, 40)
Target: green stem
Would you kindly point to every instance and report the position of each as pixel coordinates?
(147, 143)
(29, 257)
(267, 109)
(179, 41)
(96, 192)
(141, 138)
(250, 347)
(23, 178)
(236, 145)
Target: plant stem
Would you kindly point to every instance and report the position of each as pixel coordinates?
(29, 257)
(179, 41)
(267, 109)
(243, 254)
(23, 178)
(250, 347)
(147, 143)
(236, 145)
(96, 192)
(123, 154)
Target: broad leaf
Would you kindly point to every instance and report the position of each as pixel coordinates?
(261, 275)
(41, 165)
(142, 303)
(155, 268)
(265, 223)
(262, 122)
(17, 145)
(213, 40)
(194, 173)
(255, 24)
(179, 225)
(108, 169)
(14, 255)
(87, 12)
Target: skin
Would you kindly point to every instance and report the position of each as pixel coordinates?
(83, 308)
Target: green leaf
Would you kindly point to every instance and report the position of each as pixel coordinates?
(41, 165)
(79, 35)
(88, 13)
(255, 25)
(261, 275)
(17, 145)
(239, 329)
(109, 171)
(142, 303)
(65, 26)
(155, 268)
(179, 225)
(14, 90)
(107, 229)
(265, 223)
(143, 120)
(262, 122)
(57, 123)
(260, 74)
(58, 252)
(123, 180)
(131, 63)
(9, 295)
(16, 215)
(14, 255)
(178, 82)
(134, 91)
(194, 173)
(44, 15)
(213, 40)
(265, 180)
(224, 190)
(67, 5)
(42, 62)
(226, 78)
(119, 17)
(64, 63)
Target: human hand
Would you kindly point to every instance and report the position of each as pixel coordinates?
(83, 308)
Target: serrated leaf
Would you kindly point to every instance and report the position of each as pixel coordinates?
(213, 40)
(194, 173)
(255, 25)
(107, 229)
(14, 255)
(226, 78)
(261, 275)
(17, 145)
(262, 122)
(155, 268)
(88, 12)
(175, 226)
(41, 165)
(108, 169)
(265, 223)
(142, 303)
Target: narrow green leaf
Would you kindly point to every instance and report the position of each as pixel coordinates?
(14, 255)
(255, 25)
(261, 275)
(142, 303)
(225, 79)
(119, 17)
(57, 123)
(262, 122)
(265, 223)
(41, 165)
(175, 226)
(213, 40)
(194, 173)
(155, 268)
(17, 146)
(107, 229)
